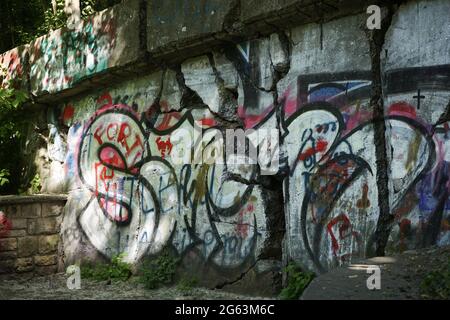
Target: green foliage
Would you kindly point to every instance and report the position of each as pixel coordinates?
(53, 20)
(297, 282)
(10, 98)
(159, 271)
(87, 8)
(436, 284)
(36, 184)
(24, 20)
(56, 20)
(19, 20)
(12, 125)
(116, 270)
(185, 285)
(4, 174)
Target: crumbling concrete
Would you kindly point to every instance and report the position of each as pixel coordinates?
(355, 125)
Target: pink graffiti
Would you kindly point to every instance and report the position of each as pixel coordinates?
(5, 225)
(241, 227)
(402, 108)
(111, 156)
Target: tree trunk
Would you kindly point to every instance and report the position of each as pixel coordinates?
(54, 6)
(73, 12)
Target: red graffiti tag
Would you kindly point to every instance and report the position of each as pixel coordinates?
(121, 133)
(168, 116)
(207, 122)
(164, 146)
(68, 113)
(111, 156)
(343, 231)
(101, 173)
(241, 227)
(320, 147)
(402, 109)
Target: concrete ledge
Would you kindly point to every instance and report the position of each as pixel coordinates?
(62, 59)
(141, 36)
(15, 63)
(40, 198)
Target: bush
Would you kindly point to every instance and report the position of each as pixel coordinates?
(297, 282)
(4, 174)
(36, 184)
(116, 270)
(436, 284)
(159, 271)
(12, 128)
(185, 285)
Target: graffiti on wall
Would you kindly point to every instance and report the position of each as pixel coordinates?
(143, 201)
(334, 174)
(331, 186)
(422, 219)
(12, 66)
(5, 225)
(66, 56)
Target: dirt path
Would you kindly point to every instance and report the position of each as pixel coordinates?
(54, 287)
(401, 276)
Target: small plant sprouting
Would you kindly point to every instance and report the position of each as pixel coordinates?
(436, 284)
(159, 271)
(296, 283)
(186, 285)
(36, 184)
(116, 270)
(4, 174)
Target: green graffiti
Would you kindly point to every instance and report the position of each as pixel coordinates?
(72, 55)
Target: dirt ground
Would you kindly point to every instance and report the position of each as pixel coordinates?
(54, 287)
(401, 276)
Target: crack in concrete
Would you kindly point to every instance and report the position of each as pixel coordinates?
(445, 117)
(229, 176)
(228, 98)
(376, 40)
(239, 278)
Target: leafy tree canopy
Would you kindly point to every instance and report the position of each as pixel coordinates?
(21, 21)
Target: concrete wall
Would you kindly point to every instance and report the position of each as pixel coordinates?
(364, 154)
(29, 234)
(417, 90)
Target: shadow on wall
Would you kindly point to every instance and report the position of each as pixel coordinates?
(64, 57)
(136, 200)
(127, 194)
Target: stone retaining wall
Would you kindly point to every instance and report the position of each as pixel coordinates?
(29, 233)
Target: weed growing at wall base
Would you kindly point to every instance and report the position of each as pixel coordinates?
(159, 271)
(185, 285)
(436, 284)
(116, 270)
(297, 282)
(36, 184)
